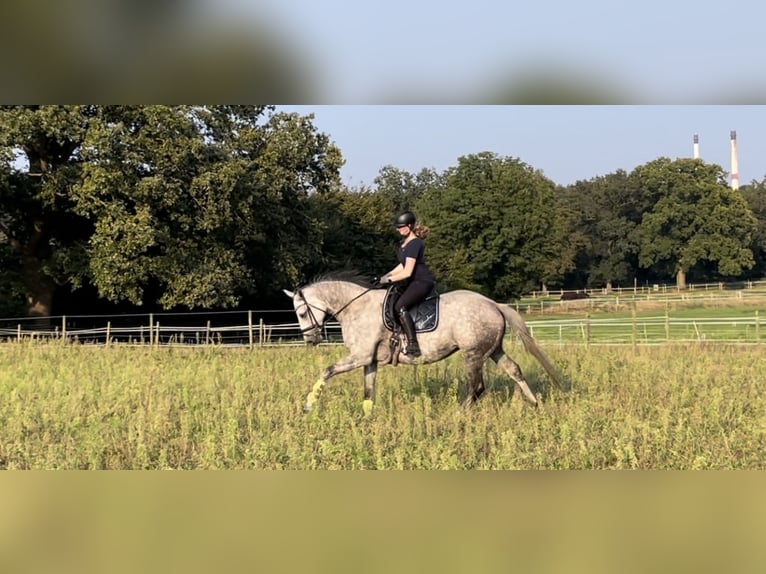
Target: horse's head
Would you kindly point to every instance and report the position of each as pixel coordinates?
(311, 315)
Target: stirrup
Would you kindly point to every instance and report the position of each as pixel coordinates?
(394, 343)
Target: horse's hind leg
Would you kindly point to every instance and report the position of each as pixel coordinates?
(514, 371)
(474, 367)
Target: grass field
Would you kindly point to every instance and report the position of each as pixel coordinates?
(86, 407)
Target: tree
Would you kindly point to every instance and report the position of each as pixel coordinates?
(606, 212)
(357, 223)
(491, 226)
(37, 220)
(696, 219)
(11, 285)
(755, 195)
(403, 189)
(356, 231)
(189, 206)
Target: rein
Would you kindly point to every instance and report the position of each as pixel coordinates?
(314, 323)
(352, 300)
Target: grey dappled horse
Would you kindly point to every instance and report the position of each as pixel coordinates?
(468, 321)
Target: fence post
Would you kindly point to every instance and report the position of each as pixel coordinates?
(667, 326)
(207, 333)
(108, 332)
(18, 333)
(157, 336)
(151, 329)
(634, 330)
(250, 329)
(261, 333)
(63, 327)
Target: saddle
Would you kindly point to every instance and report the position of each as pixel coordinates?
(425, 315)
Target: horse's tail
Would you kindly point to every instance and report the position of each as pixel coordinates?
(520, 328)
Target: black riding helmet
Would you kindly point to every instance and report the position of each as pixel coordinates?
(407, 218)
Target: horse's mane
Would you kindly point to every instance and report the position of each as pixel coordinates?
(348, 275)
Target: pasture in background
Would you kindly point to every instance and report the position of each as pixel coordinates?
(645, 298)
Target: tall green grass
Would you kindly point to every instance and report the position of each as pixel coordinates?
(81, 407)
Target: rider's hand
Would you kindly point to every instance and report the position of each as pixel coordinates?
(383, 281)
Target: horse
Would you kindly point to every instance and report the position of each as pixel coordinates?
(468, 321)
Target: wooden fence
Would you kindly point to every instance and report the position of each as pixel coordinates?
(656, 289)
(161, 329)
(250, 333)
(625, 301)
(654, 330)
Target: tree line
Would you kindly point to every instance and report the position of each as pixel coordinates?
(215, 207)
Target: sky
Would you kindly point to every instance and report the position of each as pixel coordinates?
(568, 143)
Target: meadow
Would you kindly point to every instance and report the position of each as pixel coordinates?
(75, 406)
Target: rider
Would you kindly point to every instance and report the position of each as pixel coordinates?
(413, 269)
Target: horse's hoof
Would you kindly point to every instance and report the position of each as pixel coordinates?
(367, 407)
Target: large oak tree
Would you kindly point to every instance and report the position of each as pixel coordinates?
(191, 206)
(695, 219)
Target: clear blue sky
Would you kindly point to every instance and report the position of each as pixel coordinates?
(566, 142)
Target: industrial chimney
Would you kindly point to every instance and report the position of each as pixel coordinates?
(734, 161)
(696, 146)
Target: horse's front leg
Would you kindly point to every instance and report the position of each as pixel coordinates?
(370, 372)
(345, 365)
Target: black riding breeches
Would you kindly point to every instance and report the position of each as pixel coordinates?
(415, 292)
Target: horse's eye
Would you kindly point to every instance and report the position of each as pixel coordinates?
(302, 314)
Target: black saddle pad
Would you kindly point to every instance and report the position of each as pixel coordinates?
(425, 314)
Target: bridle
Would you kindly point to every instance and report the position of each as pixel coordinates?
(316, 325)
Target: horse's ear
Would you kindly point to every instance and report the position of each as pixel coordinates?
(288, 293)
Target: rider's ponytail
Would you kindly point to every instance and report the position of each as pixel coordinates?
(421, 231)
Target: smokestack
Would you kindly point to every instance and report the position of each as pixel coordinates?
(696, 146)
(734, 161)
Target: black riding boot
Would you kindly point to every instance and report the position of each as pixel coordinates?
(413, 349)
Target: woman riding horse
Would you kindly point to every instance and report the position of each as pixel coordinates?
(413, 270)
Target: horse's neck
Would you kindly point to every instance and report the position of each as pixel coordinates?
(337, 294)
